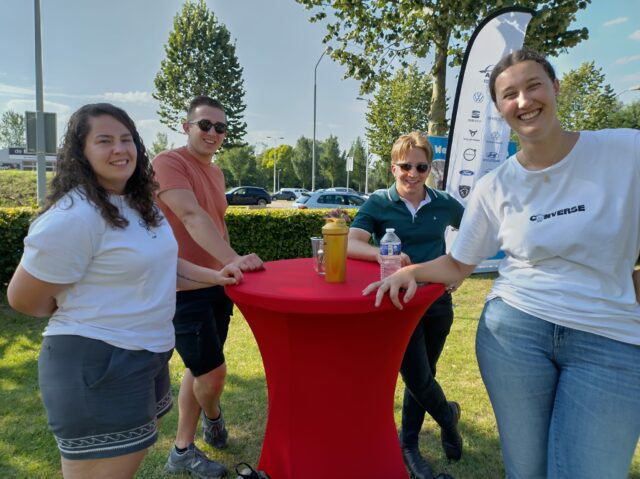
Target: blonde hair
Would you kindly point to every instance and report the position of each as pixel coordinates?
(404, 143)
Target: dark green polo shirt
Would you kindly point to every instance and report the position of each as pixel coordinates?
(422, 236)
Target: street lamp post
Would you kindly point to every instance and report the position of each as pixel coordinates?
(367, 157)
(313, 146)
(41, 165)
(275, 157)
(366, 172)
(633, 88)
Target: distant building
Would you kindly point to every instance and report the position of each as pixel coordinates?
(18, 159)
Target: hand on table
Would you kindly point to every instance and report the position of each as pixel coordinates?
(403, 279)
(248, 262)
(230, 274)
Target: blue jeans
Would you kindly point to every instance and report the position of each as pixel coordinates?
(567, 402)
(422, 392)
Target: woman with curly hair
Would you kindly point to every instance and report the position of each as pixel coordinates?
(101, 261)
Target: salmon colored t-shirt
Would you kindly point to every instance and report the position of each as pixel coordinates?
(178, 169)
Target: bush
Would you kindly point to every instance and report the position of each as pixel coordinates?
(270, 233)
(274, 234)
(14, 224)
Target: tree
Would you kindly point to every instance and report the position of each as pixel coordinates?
(301, 161)
(399, 106)
(12, 130)
(160, 144)
(282, 155)
(359, 155)
(627, 116)
(238, 163)
(332, 163)
(200, 60)
(380, 175)
(372, 36)
(585, 102)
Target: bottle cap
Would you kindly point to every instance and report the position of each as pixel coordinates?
(390, 230)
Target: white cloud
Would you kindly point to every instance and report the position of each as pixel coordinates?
(30, 105)
(624, 60)
(12, 90)
(615, 21)
(635, 35)
(128, 97)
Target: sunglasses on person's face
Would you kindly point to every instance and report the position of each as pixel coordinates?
(421, 167)
(206, 125)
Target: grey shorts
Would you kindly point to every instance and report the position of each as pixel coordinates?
(102, 401)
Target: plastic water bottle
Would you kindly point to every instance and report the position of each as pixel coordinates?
(390, 248)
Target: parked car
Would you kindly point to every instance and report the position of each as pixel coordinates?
(330, 199)
(296, 191)
(284, 194)
(343, 189)
(248, 195)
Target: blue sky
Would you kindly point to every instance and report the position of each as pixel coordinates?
(111, 51)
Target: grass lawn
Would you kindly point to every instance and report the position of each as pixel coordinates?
(27, 449)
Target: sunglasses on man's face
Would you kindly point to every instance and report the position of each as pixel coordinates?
(421, 167)
(205, 125)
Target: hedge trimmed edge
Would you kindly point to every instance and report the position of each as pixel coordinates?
(270, 233)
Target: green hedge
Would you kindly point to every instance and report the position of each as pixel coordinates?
(14, 224)
(271, 233)
(274, 233)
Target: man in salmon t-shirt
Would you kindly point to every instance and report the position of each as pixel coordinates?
(191, 196)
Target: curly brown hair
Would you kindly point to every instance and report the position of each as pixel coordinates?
(75, 171)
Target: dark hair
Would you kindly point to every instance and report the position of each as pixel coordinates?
(203, 100)
(75, 171)
(519, 56)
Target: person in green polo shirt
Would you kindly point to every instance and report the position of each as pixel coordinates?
(420, 216)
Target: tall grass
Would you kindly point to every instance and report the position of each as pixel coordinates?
(27, 449)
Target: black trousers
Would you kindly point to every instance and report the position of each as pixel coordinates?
(422, 391)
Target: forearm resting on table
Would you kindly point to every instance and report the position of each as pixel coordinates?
(444, 269)
(31, 296)
(359, 249)
(201, 228)
(192, 276)
(198, 223)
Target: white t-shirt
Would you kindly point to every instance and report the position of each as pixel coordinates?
(123, 281)
(570, 232)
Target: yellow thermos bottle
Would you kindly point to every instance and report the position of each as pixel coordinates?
(335, 233)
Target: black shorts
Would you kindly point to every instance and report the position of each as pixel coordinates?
(202, 323)
(102, 401)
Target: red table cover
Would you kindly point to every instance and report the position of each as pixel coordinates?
(331, 361)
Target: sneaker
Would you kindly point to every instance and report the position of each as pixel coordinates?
(194, 462)
(248, 472)
(213, 432)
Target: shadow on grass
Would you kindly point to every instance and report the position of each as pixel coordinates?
(245, 409)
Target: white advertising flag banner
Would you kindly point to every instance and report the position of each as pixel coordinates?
(479, 137)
